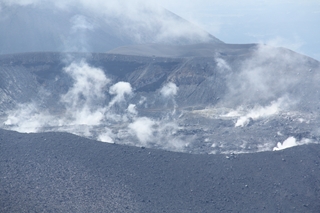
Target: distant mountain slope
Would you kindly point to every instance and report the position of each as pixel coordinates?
(43, 28)
(59, 172)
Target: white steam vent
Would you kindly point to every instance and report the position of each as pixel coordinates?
(291, 142)
(169, 90)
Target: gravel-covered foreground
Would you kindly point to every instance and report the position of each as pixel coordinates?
(60, 172)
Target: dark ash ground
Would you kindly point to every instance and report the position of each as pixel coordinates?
(60, 172)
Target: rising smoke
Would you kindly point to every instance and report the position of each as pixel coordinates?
(87, 112)
(169, 90)
(258, 112)
(291, 142)
(265, 76)
(275, 78)
(84, 100)
(83, 104)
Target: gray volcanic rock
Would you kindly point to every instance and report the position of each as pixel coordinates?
(60, 172)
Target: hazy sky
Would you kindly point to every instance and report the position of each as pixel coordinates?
(290, 23)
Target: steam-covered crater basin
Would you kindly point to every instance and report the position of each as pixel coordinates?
(235, 99)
